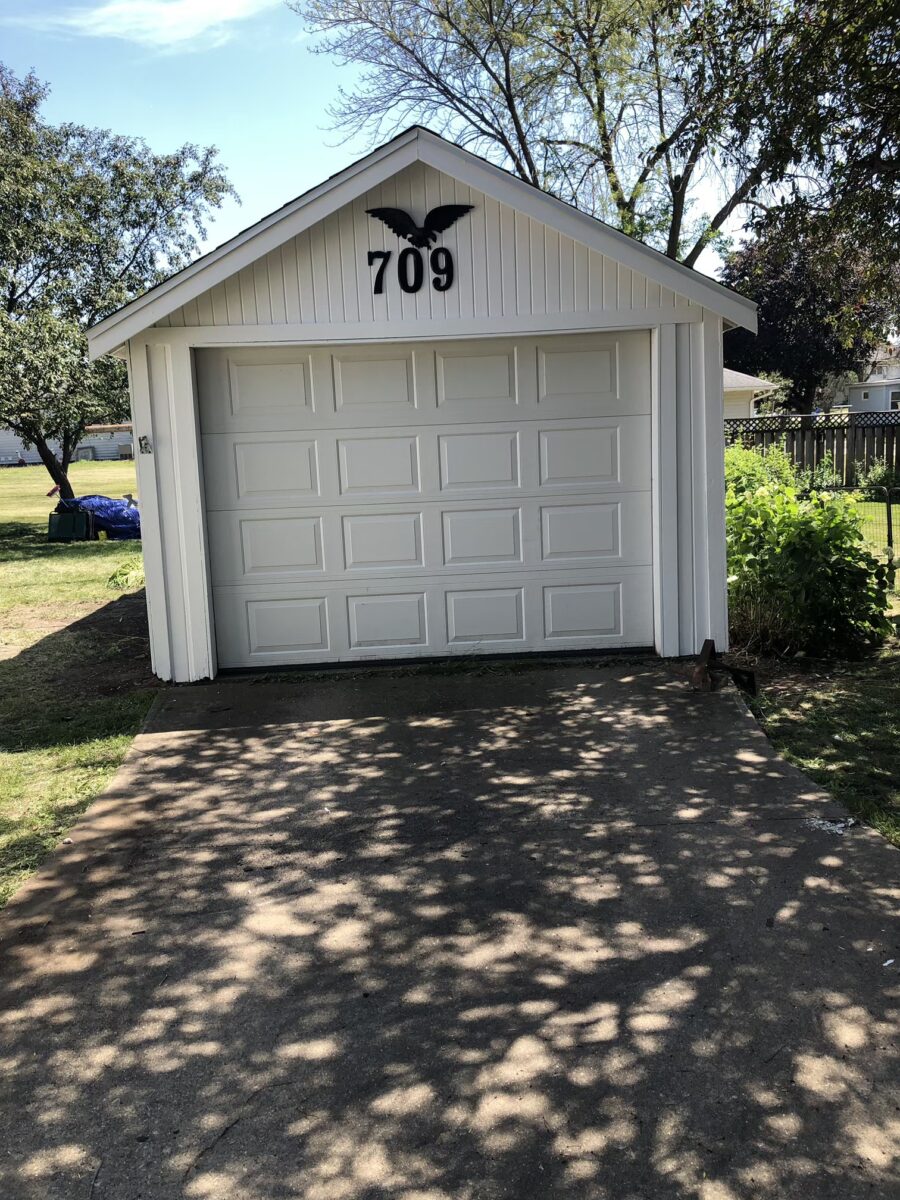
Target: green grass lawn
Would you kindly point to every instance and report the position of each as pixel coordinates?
(75, 680)
(840, 723)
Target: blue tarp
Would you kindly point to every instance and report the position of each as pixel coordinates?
(118, 519)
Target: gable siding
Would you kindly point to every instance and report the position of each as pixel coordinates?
(507, 265)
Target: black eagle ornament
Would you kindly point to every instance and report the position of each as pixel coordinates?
(425, 235)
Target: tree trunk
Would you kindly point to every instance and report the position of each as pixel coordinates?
(803, 395)
(58, 471)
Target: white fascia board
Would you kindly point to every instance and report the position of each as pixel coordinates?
(254, 243)
(527, 199)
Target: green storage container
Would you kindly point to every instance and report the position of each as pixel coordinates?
(70, 527)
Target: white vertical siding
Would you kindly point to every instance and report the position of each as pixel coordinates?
(507, 265)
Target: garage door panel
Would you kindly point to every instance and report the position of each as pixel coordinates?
(253, 470)
(244, 547)
(475, 381)
(363, 385)
(486, 614)
(373, 464)
(388, 621)
(457, 498)
(597, 528)
(290, 388)
(479, 460)
(375, 541)
(481, 536)
(495, 613)
(250, 389)
(323, 467)
(607, 454)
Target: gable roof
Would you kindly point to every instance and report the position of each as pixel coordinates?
(413, 145)
(737, 381)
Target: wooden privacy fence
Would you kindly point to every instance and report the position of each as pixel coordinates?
(854, 441)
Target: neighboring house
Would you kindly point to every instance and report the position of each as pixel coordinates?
(367, 433)
(742, 391)
(880, 392)
(99, 442)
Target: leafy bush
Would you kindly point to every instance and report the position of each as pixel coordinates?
(800, 578)
(880, 475)
(822, 475)
(128, 574)
(750, 467)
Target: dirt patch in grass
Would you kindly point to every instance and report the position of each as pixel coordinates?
(840, 723)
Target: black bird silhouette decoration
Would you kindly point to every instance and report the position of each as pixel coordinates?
(424, 235)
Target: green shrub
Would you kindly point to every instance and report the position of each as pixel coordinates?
(879, 475)
(800, 578)
(822, 475)
(750, 467)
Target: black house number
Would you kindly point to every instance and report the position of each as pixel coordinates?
(411, 269)
(411, 260)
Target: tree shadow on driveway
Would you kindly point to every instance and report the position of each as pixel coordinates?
(551, 932)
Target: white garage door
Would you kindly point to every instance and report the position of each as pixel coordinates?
(446, 498)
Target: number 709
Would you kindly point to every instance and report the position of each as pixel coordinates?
(411, 269)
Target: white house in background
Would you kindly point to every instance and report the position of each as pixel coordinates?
(426, 409)
(742, 391)
(101, 442)
(881, 390)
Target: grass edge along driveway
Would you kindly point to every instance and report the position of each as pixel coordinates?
(75, 682)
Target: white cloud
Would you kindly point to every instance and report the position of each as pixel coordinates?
(159, 23)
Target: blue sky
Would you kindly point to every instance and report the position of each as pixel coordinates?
(237, 74)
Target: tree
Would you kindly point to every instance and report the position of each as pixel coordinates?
(824, 302)
(49, 391)
(627, 107)
(88, 220)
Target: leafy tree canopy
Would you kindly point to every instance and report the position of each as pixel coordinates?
(88, 220)
(824, 302)
(627, 107)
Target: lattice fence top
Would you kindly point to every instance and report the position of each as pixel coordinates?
(784, 422)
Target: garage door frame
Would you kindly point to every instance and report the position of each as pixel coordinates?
(687, 492)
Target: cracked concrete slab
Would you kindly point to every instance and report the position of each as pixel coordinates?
(490, 931)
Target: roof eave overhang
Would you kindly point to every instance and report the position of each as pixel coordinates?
(414, 145)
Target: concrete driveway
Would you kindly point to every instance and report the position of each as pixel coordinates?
(454, 935)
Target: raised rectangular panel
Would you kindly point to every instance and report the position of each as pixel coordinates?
(277, 544)
(376, 381)
(580, 456)
(463, 378)
(479, 460)
(287, 626)
(276, 468)
(379, 464)
(482, 536)
(575, 373)
(488, 615)
(582, 610)
(258, 388)
(573, 531)
(383, 540)
(397, 620)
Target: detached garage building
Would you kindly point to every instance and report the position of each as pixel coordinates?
(426, 409)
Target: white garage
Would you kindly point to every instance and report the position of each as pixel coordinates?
(496, 431)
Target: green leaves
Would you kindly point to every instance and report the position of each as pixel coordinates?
(825, 297)
(88, 220)
(800, 577)
(48, 389)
